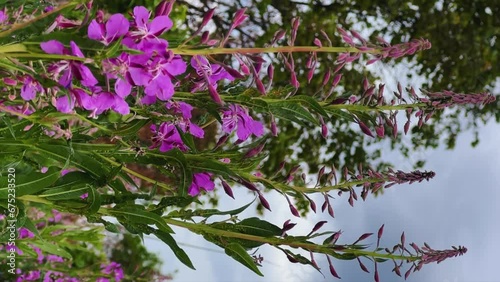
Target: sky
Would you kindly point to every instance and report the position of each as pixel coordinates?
(457, 207)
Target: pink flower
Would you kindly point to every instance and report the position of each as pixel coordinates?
(201, 181)
(237, 117)
(116, 26)
(65, 70)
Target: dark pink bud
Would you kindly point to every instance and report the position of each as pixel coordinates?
(227, 188)
(260, 86)
(287, 226)
(407, 274)
(317, 42)
(365, 129)
(403, 239)
(336, 79)
(379, 129)
(278, 35)
(249, 185)
(204, 37)
(221, 141)
(332, 270)
(164, 8)
(239, 17)
(330, 210)
(415, 247)
(255, 151)
(396, 270)
(407, 127)
(379, 234)
(375, 276)
(326, 77)
(317, 227)
(310, 74)
(212, 42)
(295, 83)
(366, 84)
(264, 202)
(363, 267)
(244, 68)
(214, 94)
(208, 16)
(363, 237)
(234, 73)
(9, 81)
(294, 210)
(270, 72)
(324, 130)
(400, 90)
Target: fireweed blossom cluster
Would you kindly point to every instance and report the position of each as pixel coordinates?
(139, 81)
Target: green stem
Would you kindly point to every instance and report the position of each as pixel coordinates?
(41, 56)
(274, 241)
(279, 49)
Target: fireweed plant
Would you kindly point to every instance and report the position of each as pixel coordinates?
(91, 102)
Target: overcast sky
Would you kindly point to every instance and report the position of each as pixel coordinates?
(458, 207)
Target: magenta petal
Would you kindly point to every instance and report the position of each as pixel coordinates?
(84, 99)
(120, 106)
(88, 78)
(141, 16)
(160, 24)
(198, 61)
(116, 26)
(176, 66)
(28, 92)
(242, 132)
(52, 47)
(66, 77)
(139, 76)
(148, 100)
(185, 109)
(95, 31)
(257, 128)
(193, 190)
(122, 88)
(65, 104)
(75, 50)
(196, 131)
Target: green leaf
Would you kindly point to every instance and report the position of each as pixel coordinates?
(209, 212)
(256, 226)
(300, 259)
(311, 103)
(178, 251)
(51, 248)
(71, 186)
(82, 161)
(293, 112)
(9, 125)
(177, 201)
(94, 200)
(131, 128)
(29, 184)
(137, 214)
(201, 163)
(237, 252)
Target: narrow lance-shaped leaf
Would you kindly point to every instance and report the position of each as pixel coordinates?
(237, 252)
(178, 251)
